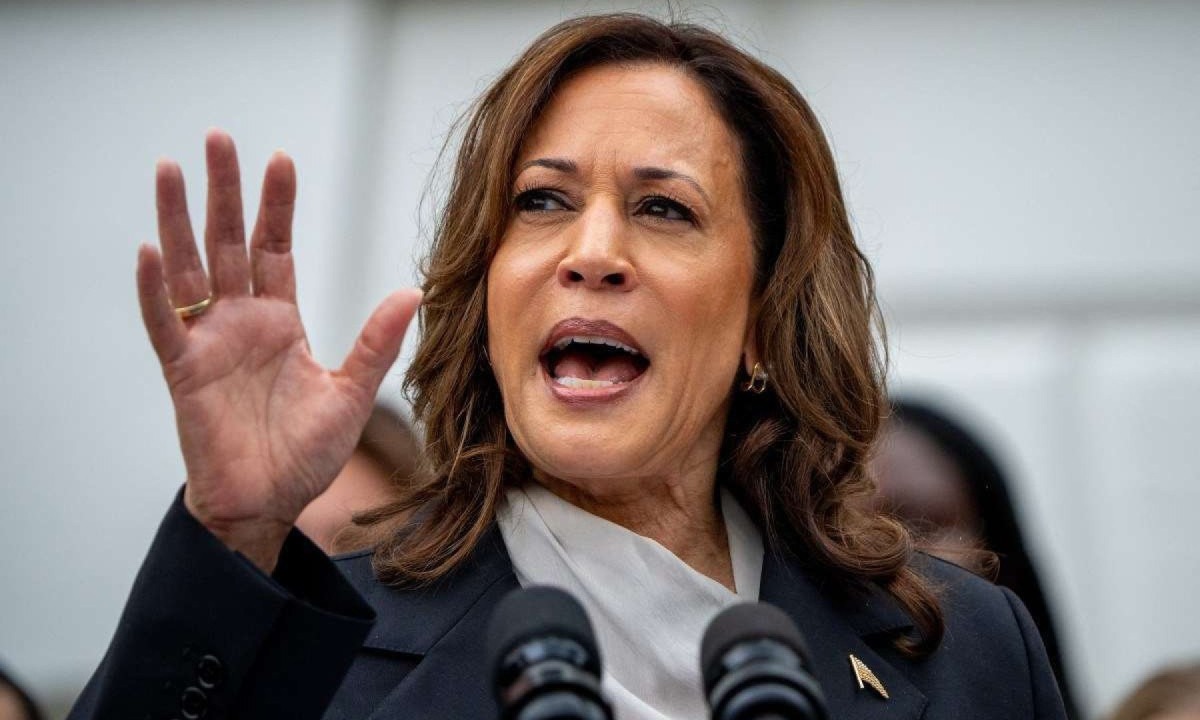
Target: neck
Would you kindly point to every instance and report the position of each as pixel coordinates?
(681, 516)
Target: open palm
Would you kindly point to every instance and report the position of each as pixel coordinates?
(263, 427)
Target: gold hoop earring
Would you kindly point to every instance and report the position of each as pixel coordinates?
(758, 380)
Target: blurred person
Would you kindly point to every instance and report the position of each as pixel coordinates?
(939, 478)
(1170, 694)
(647, 372)
(15, 703)
(385, 460)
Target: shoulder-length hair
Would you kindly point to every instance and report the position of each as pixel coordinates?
(795, 455)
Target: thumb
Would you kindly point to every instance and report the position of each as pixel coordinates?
(379, 342)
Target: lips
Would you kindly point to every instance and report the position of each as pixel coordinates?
(582, 354)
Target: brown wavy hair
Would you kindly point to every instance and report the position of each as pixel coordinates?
(796, 456)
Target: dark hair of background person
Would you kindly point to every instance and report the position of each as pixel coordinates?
(797, 455)
(999, 526)
(1167, 695)
(24, 701)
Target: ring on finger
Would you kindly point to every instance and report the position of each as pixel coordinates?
(193, 310)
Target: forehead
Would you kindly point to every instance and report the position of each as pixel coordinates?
(646, 114)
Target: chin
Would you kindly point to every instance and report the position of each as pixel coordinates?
(578, 452)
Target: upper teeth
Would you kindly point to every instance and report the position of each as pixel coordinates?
(593, 340)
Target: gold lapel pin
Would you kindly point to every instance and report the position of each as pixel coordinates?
(865, 677)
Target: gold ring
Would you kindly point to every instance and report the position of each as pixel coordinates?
(191, 311)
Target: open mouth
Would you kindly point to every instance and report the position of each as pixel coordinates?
(593, 362)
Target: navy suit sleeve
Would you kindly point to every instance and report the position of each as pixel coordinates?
(205, 633)
(1047, 699)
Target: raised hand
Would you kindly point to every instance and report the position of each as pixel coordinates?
(263, 427)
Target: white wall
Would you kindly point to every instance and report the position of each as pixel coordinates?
(1024, 176)
(93, 93)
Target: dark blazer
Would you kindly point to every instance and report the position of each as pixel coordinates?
(205, 634)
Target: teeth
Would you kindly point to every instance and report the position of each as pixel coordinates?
(590, 340)
(581, 384)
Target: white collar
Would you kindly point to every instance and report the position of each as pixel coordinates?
(648, 607)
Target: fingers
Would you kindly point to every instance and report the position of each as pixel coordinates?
(224, 227)
(271, 262)
(181, 267)
(379, 343)
(167, 332)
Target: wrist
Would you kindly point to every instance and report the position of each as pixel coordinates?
(259, 540)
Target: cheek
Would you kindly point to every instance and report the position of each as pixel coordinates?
(501, 331)
(499, 319)
(717, 306)
(513, 282)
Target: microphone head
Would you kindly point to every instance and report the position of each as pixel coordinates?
(742, 623)
(540, 612)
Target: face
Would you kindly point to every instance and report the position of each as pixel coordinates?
(619, 300)
(11, 706)
(1179, 714)
(920, 484)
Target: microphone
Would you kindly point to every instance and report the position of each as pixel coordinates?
(755, 667)
(545, 662)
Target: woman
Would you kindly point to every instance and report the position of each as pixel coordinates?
(935, 475)
(646, 353)
(15, 703)
(1172, 693)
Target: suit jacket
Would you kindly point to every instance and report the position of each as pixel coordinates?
(206, 634)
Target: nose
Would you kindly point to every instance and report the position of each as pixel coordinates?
(598, 255)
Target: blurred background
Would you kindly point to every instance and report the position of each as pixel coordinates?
(1025, 177)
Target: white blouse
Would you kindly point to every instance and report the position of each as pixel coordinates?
(648, 607)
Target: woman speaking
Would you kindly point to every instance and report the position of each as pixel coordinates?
(647, 372)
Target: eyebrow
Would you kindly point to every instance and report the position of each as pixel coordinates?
(657, 173)
(569, 167)
(560, 164)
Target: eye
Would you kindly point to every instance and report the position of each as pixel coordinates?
(665, 208)
(539, 200)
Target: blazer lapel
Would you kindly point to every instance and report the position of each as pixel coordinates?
(446, 624)
(834, 633)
